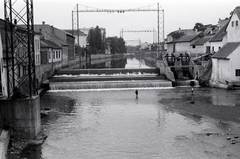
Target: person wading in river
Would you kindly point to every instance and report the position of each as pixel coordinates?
(136, 92)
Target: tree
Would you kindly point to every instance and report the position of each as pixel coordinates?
(96, 39)
(117, 45)
(177, 35)
(197, 26)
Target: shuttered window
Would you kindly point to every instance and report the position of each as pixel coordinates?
(237, 72)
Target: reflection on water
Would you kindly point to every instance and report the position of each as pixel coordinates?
(125, 62)
(114, 63)
(136, 63)
(114, 124)
(224, 98)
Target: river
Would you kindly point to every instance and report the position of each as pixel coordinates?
(128, 62)
(110, 124)
(107, 124)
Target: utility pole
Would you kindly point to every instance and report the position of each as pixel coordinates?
(78, 44)
(158, 30)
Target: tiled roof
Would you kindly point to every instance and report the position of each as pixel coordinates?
(202, 40)
(80, 32)
(49, 44)
(187, 38)
(220, 34)
(237, 10)
(185, 31)
(226, 50)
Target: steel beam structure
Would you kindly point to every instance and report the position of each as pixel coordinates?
(19, 39)
(137, 31)
(160, 17)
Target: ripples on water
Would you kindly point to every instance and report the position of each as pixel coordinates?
(114, 124)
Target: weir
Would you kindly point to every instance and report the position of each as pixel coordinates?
(108, 79)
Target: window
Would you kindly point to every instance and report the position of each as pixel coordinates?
(219, 47)
(39, 59)
(236, 23)
(237, 72)
(193, 46)
(37, 44)
(213, 49)
(59, 54)
(232, 23)
(24, 70)
(19, 71)
(49, 55)
(208, 49)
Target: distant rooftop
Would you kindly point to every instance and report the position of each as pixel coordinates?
(220, 34)
(187, 38)
(49, 44)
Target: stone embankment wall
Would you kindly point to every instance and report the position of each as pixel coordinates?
(21, 115)
(45, 71)
(165, 70)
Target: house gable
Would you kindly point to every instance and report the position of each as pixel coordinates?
(233, 28)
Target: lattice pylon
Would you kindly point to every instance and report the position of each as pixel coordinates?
(20, 56)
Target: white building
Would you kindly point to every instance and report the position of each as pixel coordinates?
(201, 46)
(225, 62)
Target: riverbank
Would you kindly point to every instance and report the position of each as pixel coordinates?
(224, 107)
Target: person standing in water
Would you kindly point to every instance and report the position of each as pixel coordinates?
(136, 92)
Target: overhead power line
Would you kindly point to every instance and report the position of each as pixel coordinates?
(150, 8)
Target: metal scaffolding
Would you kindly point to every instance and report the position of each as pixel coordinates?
(20, 58)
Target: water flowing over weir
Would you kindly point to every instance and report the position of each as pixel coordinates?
(108, 79)
(109, 85)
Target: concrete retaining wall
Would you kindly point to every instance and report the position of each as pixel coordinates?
(165, 70)
(22, 116)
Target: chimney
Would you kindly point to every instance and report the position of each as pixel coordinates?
(43, 22)
(179, 29)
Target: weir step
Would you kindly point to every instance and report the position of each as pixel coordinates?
(106, 71)
(108, 78)
(104, 78)
(110, 84)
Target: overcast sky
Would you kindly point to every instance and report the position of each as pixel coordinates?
(177, 14)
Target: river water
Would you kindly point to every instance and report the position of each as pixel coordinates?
(110, 124)
(130, 62)
(114, 124)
